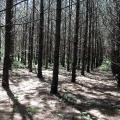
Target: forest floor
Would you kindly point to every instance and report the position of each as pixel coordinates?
(92, 97)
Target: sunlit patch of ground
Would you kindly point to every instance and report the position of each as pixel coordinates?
(93, 96)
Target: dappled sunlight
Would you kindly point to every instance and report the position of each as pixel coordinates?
(96, 96)
(59, 60)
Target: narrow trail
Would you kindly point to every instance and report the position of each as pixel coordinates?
(94, 96)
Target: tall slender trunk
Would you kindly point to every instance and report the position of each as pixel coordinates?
(89, 41)
(25, 35)
(85, 40)
(69, 37)
(8, 44)
(31, 39)
(80, 51)
(48, 33)
(74, 64)
(51, 43)
(41, 37)
(93, 37)
(54, 85)
(64, 39)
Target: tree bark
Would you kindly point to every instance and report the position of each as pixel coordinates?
(8, 45)
(85, 40)
(75, 51)
(41, 37)
(54, 85)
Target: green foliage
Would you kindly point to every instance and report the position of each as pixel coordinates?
(16, 98)
(15, 107)
(88, 116)
(69, 97)
(32, 110)
(18, 64)
(106, 65)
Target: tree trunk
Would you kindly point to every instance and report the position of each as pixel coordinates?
(85, 40)
(69, 37)
(74, 64)
(8, 44)
(89, 42)
(31, 39)
(41, 37)
(54, 85)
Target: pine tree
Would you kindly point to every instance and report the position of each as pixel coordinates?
(41, 37)
(54, 86)
(8, 44)
(74, 64)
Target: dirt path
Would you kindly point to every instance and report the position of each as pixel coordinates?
(92, 97)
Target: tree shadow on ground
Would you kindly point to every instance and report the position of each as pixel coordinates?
(20, 108)
(94, 94)
(104, 76)
(4, 115)
(105, 106)
(18, 78)
(102, 91)
(73, 103)
(107, 75)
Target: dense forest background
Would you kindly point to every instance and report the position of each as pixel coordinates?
(75, 38)
(36, 40)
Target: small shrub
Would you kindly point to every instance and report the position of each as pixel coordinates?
(18, 64)
(106, 65)
(32, 110)
(88, 116)
(69, 97)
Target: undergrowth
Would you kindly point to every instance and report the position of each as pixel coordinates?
(106, 65)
